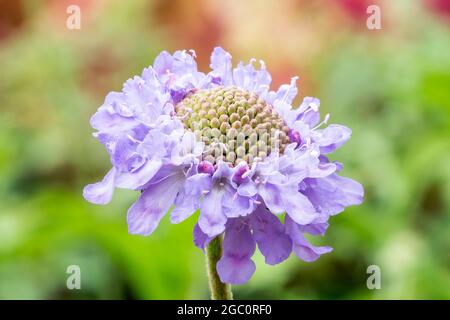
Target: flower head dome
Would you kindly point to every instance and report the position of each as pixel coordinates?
(224, 144)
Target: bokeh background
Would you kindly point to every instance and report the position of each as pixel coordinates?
(391, 86)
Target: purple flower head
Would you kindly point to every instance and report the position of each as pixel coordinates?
(224, 144)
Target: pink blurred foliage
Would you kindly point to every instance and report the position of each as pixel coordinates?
(194, 24)
(439, 7)
(355, 9)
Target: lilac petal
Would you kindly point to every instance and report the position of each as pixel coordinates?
(269, 233)
(236, 266)
(185, 206)
(339, 166)
(332, 137)
(247, 189)
(221, 65)
(187, 150)
(101, 192)
(188, 200)
(163, 63)
(106, 121)
(309, 111)
(123, 149)
(332, 194)
(134, 162)
(154, 144)
(240, 170)
(184, 63)
(300, 164)
(286, 93)
(150, 76)
(282, 100)
(165, 171)
(247, 77)
(178, 95)
(298, 207)
(314, 228)
(301, 247)
(272, 197)
(145, 214)
(147, 102)
(201, 240)
(235, 205)
(197, 184)
(223, 171)
(180, 64)
(212, 219)
(323, 170)
(138, 179)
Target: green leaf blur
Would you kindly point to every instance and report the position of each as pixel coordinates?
(391, 86)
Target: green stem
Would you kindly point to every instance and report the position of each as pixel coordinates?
(219, 290)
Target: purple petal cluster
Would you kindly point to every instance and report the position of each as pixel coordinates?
(152, 152)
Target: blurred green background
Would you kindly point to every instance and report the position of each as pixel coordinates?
(391, 86)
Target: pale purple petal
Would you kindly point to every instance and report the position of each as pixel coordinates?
(163, 63)
(332, 194)
(183, 63)
(101, 192)
(248, 78)
(236, 266)
(185, 206)
(235, 205)
(223, 171)
(247, 189)
(270, 235)
(138, 179)
(309, 111)
(212, 219)
(201, 240)
(154, 144)
(107, 120)
(122, 151)
(300, 246)
(145, 214)
(298, 207)
(198, 184)
(222, 66)
(331, 138)
(286, 93)
(188, 199)
(314, 228)
(187, 150)
(239, 173)
(282, 101)
(272, 197)
(147, 103)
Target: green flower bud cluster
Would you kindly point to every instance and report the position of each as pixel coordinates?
(234, 124)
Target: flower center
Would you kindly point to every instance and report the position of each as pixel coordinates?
(234, 124)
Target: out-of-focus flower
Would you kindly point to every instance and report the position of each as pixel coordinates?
(441, 7)
(223, 143)
(355, 8)
(196, 23)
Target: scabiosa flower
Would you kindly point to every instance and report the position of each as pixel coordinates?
(226, 145)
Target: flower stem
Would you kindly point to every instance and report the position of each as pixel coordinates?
(219, 290)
